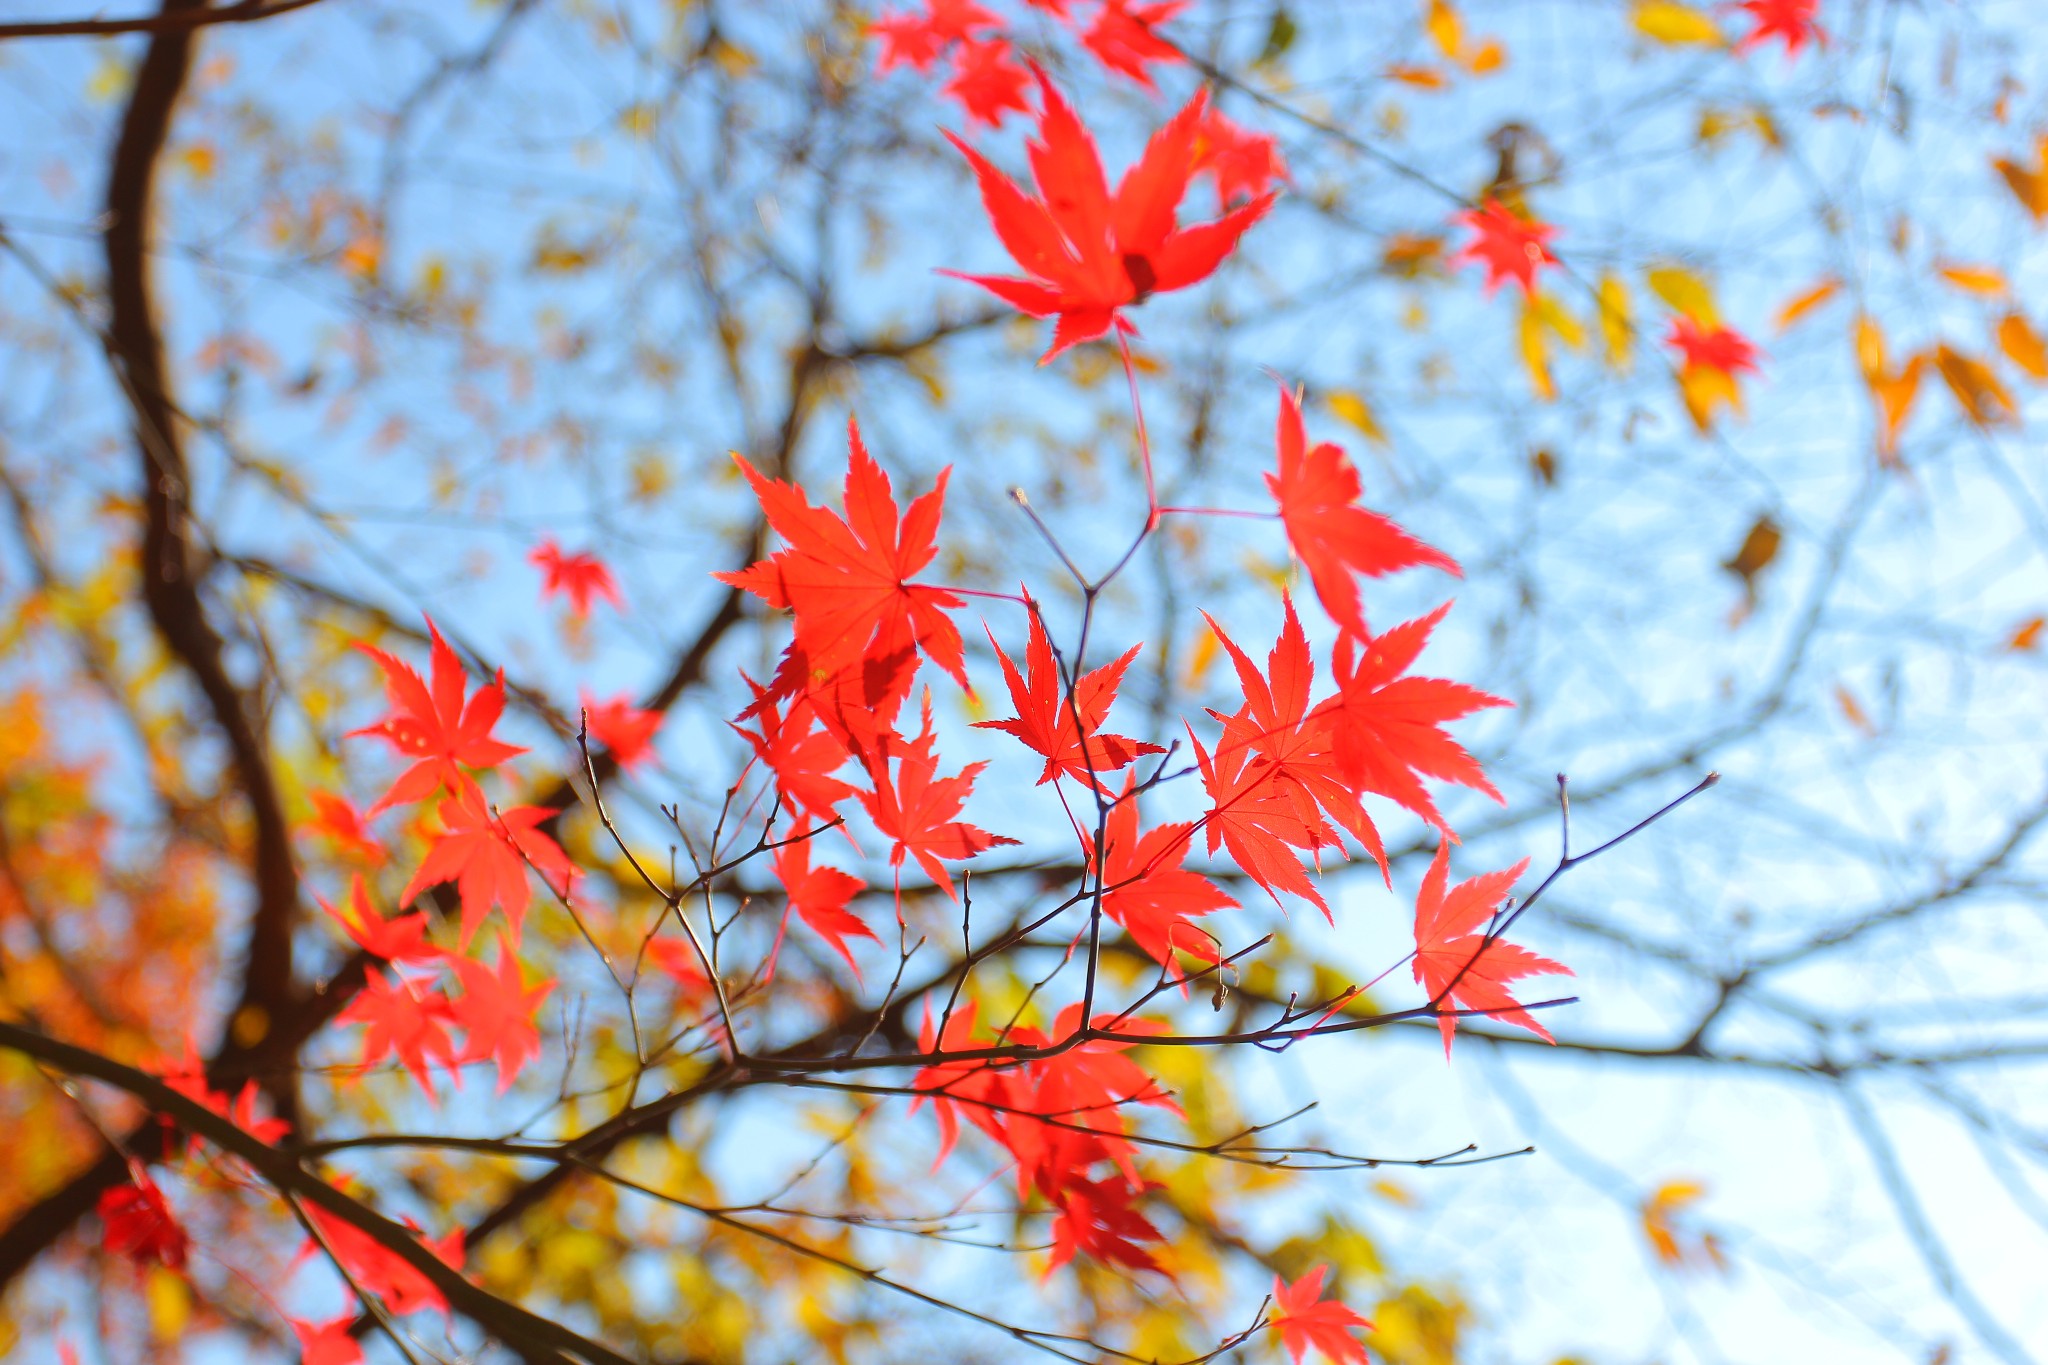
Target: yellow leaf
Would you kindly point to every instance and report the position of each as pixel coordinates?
(1685, 292)
(170, 1303)
(2023, 345)
(1560, 321)
(199, 160)
(1973, 279)
(1536, 355)
(1409, 254)
(1870, 349)
(1706, 389)
(1352, 409)
(1199, 660)
(1667, 21)
(1986, 401)
(1617, 331)
(1445, 28)
(1800, 305)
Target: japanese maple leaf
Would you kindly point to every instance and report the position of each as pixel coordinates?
(380, 1270)
(802, 759)
(1715, 348)
(625, 730)
(1259, 823)
(486, 856)
(1791, 21)
(139, 1223)
(1148, 892)
(959, 1087)
(916, 40)
(1045, 719)
(434, 727)
(678, 961)
(846, 578)
(1122, 38)
(1303, 1318)
(402, 1019)
(496, 1010)
(1455, 961)
(580, 576)
(987, 81)
(819, 895)
(338, 822)
(1335, 539)
(186, 1074)
(1096, 1218)
(1087, 1090)
(402, 939)
(1510, 246)
(1387, 729)
(1085, 253)
(327, 1343)
(916, 808)
(1245, 164)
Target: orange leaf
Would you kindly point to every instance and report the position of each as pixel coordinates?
(1421, 77)
(1986, 401)
(1853, 712)
(1973, 279)
(2029, 184)
(2027, 635)
(1802, 304)
(2023, 345)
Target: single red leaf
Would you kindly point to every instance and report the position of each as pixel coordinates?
(1715, 348)
(399, 939)
(402, 1019)
(1122, 38)
(1510, 246)
(802, 759)
(1454, 960)
(486, 856)
(1097, 1218)
(580, 576)
(846, 578)
(1335, 539)
(987, 82)
(338, 822)
(819, 895)
(1790, 21)
(1148, 892)
(915, 807)
(139, 1223)
(1305, 1319)
(625, 730)
(1044, 722)
(496, 1010)
(327, 1343)
(916, 40)
(435, 727)
(1086, 254)
(380, 1270)
(1244, 164)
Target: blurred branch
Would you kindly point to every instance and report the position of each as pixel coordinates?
(179, 21)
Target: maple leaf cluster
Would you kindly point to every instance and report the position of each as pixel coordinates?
(1062, 1119)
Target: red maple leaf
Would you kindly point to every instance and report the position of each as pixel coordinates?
(186, 1074)
(1245, 164)
(1148, 892)
(496, 1010)
(580, 576)
(819, 895)
(625, 730)
(403, 1020)
(377, 1268)
(400, 939)
(338, 822)
(327, 1343)
(486, 856)
(917, 807)
(1457, 963)
(987, 81)
(1335, 539)
(847, 578)
(1303, 1318)
(916, 40)
(140, 1224)
(802, 759)
(1086, 1090)
(1507, 244)
(1085, 253)
(1715, 348)
(975, 1088)
(435, 728)
(1097, 1217)
(1387, 729)
(1045, 714)
(1791, 21)
(1122, 38)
